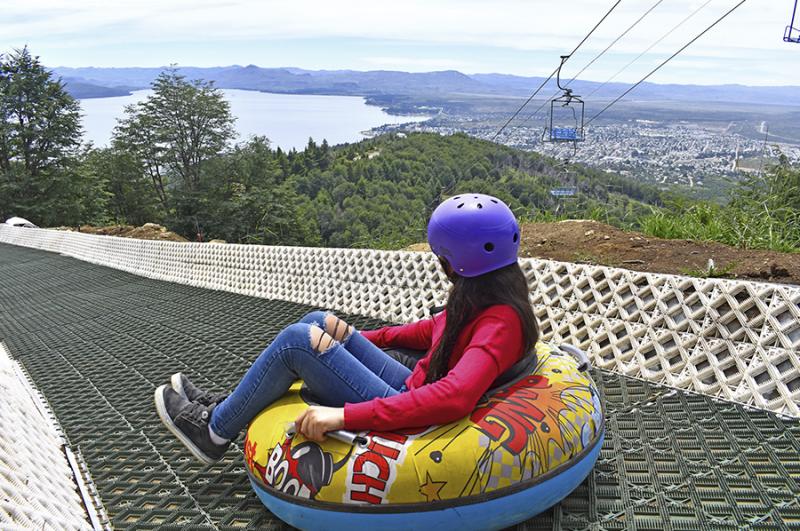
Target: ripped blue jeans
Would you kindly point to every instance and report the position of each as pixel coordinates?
(351, 370)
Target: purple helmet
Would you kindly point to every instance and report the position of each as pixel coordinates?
(476, 233)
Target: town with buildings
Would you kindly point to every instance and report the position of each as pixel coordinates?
(665, 152)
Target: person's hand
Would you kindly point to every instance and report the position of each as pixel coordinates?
(316, 420)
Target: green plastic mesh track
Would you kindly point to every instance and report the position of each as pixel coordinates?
(97, 341)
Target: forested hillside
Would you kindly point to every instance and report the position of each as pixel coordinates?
(375, 193)
(172, 161)
(380, 192)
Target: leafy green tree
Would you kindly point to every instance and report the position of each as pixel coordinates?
(130, 197)
(252, 204)
(40, 135)
(174, 134)
(92, 195)
(135, 135)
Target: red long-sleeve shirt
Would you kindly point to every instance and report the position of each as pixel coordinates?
(487, 347)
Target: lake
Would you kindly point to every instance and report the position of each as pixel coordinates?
(288, 120)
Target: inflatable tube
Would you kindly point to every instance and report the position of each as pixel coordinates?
(524, 448)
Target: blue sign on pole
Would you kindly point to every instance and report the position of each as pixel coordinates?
(563, 192)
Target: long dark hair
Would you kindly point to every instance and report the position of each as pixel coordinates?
(468, 296)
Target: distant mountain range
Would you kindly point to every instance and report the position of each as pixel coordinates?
(103, 82)
(81, 89)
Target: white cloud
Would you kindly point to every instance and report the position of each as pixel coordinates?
(526, 24)
(754, 31)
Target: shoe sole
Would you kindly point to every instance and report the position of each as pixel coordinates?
(165, 418)
(177, 385)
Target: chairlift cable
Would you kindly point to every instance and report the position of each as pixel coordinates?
(598, 56)
(494, 137)
(554, 72)
(499, 131)
(788, 35)
(672, 30)
(667, 34)
(656, 69)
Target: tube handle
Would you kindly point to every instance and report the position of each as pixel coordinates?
(579, 355)
(347, 437)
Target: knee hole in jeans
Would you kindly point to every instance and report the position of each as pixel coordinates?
(337, 328)
(320, 341)
(316, 317)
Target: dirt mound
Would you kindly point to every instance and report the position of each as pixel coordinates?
(148, 231)
(590, 242)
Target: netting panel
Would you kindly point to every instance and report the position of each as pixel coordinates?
(735, 340)
(37, 486)
(97, 341)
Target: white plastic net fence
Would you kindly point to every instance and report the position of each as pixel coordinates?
(37, 486)
(735, 340)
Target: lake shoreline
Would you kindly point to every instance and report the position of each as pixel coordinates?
(392, 108)
(288, 120)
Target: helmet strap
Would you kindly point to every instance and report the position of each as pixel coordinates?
(448, 269)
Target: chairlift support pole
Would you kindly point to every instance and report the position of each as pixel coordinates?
(790, 29)
(558, 76)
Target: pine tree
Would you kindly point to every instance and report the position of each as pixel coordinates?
(40, 134)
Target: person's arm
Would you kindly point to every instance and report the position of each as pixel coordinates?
(494, 348)
(315, 421)
(412, 335)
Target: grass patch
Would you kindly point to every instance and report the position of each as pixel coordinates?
(711, 270)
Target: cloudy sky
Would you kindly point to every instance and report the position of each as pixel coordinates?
(522, 37)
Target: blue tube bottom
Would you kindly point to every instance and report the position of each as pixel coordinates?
(496, 513)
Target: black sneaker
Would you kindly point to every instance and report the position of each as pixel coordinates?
(188, 421)
(184, 387)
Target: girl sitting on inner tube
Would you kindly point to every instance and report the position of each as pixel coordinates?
(487, 326)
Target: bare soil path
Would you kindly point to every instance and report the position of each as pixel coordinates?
(590, 242)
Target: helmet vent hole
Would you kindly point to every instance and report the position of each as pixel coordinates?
(457, 197)
(480, 205)
(516, 237)
(494, 201)
(461, 205)
(489, 246)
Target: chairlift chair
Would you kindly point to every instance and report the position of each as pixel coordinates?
(792, 34)
(565, 123)
(565, 191)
